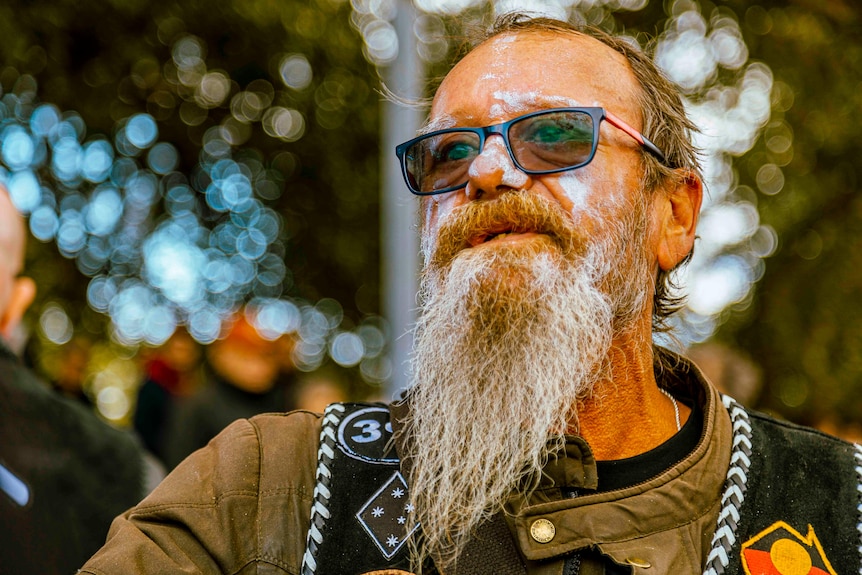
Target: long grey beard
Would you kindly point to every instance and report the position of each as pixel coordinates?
(511, 339)
(501, 360)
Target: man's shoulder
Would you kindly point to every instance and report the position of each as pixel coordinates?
(56, 423)
(298, 425)
(784, 434)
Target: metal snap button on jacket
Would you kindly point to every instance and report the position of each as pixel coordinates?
(542, 530)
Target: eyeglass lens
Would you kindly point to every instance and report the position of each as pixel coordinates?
(550, 142)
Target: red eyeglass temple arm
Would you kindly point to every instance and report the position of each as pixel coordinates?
(639, 138)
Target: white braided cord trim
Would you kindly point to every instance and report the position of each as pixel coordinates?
(734, 489)
(858, 456)
(320, 508)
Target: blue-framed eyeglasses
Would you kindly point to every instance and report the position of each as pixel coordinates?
(543, 142)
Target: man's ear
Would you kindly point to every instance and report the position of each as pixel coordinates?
(677, 211)
(22, 295)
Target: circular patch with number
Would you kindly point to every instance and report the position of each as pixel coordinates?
(365, 434)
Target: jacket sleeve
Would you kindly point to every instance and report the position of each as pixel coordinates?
(239, 505)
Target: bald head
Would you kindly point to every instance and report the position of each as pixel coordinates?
(16, 293)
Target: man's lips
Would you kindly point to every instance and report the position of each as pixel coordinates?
(501, 237)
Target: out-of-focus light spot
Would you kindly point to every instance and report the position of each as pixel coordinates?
(728, 224)
(246, 107)
(251, 244)
(55, 324)
(235, 132)
(173, 266)
(275, 317)
(179, 199)
(44, 119)
(314, 327)
(687, 59)
(793, 391)
(74, 122)
(128, 310)
(72, 233)
(433, 43)
(764, 242)
(217, 274)
(122, 170)
(268, 222)
(66, 160)
(104, 211)
(141, 190)
(205, 325)
(284, 123)
(809, 246)
(213, 89)
(346, 349)
(214, 144)
(159, 324)
(544, 8)
(728, 47)
(308, 355)
(24, 190)
(191, 114)
(112, 402)
(18, 147)
(716, 287)
(97, 160)
(100, 292)
(271, 270)
(234, 192)
(381, 41)
(295, 71)
(372, 338)
(44, 223)
(330, 310)
(188, 52)
(770, 179)
(141, 131)
(264, 91)
(163, 158)
(376, 369)
(446, 6)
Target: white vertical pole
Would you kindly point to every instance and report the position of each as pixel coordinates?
(399, 242)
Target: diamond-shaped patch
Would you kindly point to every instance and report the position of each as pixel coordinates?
(388, 516)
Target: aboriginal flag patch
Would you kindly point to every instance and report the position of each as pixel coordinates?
(781, 550)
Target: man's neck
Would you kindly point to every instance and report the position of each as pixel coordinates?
(627, 414)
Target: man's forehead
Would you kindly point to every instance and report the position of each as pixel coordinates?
(522, 71)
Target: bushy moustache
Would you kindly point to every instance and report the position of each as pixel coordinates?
(516, 212)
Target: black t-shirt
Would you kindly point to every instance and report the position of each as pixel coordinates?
(622, 473)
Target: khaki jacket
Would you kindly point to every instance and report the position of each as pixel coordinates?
(242, 505)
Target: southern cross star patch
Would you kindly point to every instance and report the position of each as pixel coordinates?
(781, 550)
(388, 516)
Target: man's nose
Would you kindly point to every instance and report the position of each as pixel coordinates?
(493, 172)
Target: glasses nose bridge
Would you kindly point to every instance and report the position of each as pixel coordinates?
(501, 130)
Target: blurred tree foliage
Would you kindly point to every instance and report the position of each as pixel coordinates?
(802, 325)
(109, 60)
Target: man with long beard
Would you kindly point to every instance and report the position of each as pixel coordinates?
(544, 433)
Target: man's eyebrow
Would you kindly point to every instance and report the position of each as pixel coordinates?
(438, 123)
(524, 102)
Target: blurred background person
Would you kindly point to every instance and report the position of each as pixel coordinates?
(318, 389)
(64, 473)
(71, 370)
(247, 375)
(171, 372)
